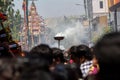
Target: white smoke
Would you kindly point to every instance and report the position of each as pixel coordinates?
(73, 31)
(56, 45)
(59, 35)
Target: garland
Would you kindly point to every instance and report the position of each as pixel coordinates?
(3, 17)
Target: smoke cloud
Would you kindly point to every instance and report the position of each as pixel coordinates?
(72, 29)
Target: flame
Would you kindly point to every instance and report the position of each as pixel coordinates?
(22, 54)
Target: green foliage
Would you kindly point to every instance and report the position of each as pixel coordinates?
(98, 34)
(16, 25)
(107, 29)
(5, 5)
(14, 17)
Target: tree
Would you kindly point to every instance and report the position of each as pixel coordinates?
(101, 32)
(14, 17)
(17, 25)
(5, 5)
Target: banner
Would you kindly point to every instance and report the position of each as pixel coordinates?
(25, 9)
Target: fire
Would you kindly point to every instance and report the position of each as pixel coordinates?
(22, 54)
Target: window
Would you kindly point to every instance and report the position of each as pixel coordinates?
(101, 4)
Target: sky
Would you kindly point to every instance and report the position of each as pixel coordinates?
(54, 8)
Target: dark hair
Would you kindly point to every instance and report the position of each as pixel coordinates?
(4, 51)
(73, 52)
(65, 72)
(35, 75)
(60, 73)
(42, 51)
(74, 72)
(83, 50)
(107, 51)
(58, 55)
(37, 64)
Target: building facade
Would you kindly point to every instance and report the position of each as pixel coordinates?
(100, 8)
(98, 15)
(88, 9)
(89, 16)
(114, 7)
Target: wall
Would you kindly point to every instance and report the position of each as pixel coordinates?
(97, 11)
(111, 4)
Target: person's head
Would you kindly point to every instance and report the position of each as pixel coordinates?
(73, 52)
(58, 55)
(83, 53)
(107, 51)
(42, 51)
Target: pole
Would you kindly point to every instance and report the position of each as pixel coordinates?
(85, 7)
(27, 23)
(59, 44)
(115, 19)
(90, 32)
(89, 14)
(27, 12)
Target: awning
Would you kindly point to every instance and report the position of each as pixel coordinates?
(114, 7)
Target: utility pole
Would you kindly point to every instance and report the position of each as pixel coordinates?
(28, 27)
(115, 20)
(89, 14)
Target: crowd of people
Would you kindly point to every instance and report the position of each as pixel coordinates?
(79, 62)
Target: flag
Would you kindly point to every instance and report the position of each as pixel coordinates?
(3, 17)
(24, 5)
(25, 9)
